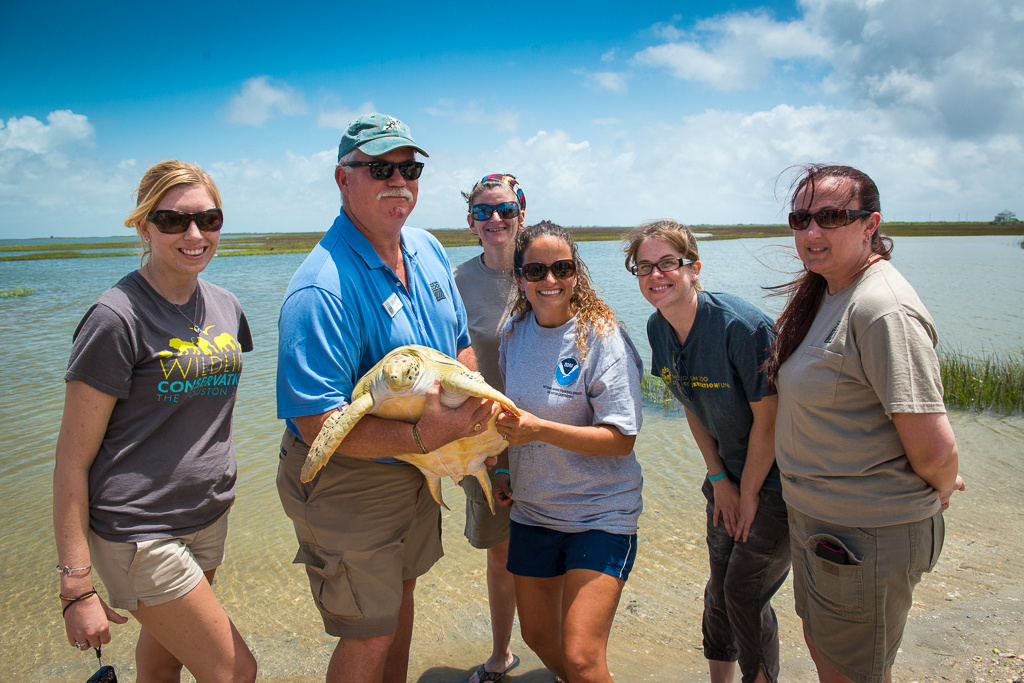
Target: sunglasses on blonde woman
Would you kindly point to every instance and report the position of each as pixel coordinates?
(829, 219)
(561, 269)
(177, 222)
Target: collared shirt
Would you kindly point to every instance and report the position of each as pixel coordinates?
(345, 310)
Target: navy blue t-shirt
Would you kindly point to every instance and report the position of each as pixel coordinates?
(715, 373)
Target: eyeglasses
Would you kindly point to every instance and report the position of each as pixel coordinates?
(482, 212)
(561, 269)
(666, 265)
(382, 170)
(828, 219)
(177, 222)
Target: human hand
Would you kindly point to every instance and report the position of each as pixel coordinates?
(502, 490)
(439, 425)
(958, 485)
(86, 622)
(727, 504)
(519, 430)
(747, 512)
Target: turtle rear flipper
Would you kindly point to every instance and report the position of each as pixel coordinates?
(335, 429)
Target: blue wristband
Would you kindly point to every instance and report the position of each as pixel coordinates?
(503, 470)
(717, 476)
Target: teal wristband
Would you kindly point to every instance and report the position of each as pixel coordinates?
(717, 476)
(503, 470)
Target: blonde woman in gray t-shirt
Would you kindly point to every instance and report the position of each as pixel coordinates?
(867, 455)
(145, 465)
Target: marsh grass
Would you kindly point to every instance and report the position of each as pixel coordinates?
(995, 383)
(16, 292)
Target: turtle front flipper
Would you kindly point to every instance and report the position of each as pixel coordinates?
(472, 384)
(335, 429)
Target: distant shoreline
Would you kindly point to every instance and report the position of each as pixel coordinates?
(302, 242)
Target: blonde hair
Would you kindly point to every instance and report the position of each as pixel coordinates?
(592, 314)
(158, 181)
(676, 234)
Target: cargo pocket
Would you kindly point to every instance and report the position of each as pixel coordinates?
(328, 581)
(839, 587)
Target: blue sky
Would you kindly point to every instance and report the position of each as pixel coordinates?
(609, 114)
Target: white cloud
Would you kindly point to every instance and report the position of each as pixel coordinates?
(340, 118)
(261, 100)
(609, 80)
(472, 113)
(31, 135)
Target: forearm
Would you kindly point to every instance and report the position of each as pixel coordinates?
(71, 526)
(706, 444)
(930, 446)
(597, 440)
(760, 446)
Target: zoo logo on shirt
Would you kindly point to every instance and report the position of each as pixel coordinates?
(205, 366)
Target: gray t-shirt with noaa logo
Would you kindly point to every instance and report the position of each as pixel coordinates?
(166, 466)
(557, 488)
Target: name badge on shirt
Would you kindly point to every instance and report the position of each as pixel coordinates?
(392, 305)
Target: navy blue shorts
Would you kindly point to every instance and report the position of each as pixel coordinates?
(545, 553)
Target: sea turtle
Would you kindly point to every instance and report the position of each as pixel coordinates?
(395, 389)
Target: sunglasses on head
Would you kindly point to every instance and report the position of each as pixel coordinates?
(666, 265)
(177, 222)
(482, 212)
(829, 219)
(382, 170)
(561, 269)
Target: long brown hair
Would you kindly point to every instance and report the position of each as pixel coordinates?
(592, 314)
(807, 291)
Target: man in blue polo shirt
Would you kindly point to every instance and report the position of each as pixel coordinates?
(367, 525)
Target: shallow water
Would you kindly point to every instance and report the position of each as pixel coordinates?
(658, 624)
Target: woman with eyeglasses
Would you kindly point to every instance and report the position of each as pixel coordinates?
(571, 470)
(497, 211)
(709, 348)
(145, 466)
(867, 454)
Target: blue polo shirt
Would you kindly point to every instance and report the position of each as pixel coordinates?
(345, 310)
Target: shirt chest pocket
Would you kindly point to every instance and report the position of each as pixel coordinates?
(819, 377)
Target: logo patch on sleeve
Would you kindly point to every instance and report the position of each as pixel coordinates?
(567, 371)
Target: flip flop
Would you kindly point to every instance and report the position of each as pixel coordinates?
(484, 676)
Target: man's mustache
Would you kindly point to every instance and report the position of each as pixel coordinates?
(401, 192)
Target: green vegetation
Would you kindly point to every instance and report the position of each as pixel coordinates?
(995, 383)
(302, 242)
(16, 292)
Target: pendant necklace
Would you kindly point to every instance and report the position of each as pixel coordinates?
(195, 317)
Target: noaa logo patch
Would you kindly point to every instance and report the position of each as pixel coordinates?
(567, 371)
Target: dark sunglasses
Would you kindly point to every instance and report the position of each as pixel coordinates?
(482, 212)
(666, 265)
(828, 219)
(177, 222)
(561, 269)
(382, 170)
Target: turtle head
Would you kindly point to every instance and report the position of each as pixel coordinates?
(401, 371)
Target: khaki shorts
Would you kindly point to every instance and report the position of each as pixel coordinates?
(855, 613)
(484, 530)
(363, 528)
(159, 570)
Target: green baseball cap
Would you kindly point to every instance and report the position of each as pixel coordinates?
(377, 134)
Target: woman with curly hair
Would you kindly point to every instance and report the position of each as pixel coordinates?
(571, 469)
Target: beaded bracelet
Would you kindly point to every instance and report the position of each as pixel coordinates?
(717, 476)
(419, 441)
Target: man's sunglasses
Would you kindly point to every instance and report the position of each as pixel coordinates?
(177, 222)
(382, 170)
(829, 219)
(666, 265)
(535, 272)
(482, 212)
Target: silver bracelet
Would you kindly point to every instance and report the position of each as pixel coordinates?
(68, 571)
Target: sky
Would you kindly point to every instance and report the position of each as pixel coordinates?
(608, 113)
